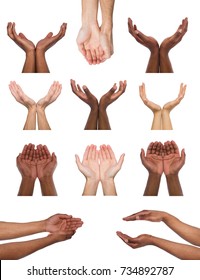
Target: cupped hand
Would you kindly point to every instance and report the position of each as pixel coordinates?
(137, 242)
(89, 166)
(50, 40)
(88, 41)
(144, 40)
(172, 160)
(20, 96)
(153, 161)
(20, 39)
(151, 105)
(109, 166)
(26, 162)
(85, 95)
(173, 40)
(172, 104)
(61, 223)
(51, 96)
(46, 163)
(112, 95)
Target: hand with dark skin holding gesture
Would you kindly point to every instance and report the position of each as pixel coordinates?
(185, 231)
(159, 61)
(161, 159)
(35, 61)
(61, 227)
(98, 118)
(36, 163)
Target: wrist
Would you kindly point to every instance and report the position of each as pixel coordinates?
(30, 52)
(154, 50)
(155, 174)
(164, 50)
(106, 28)
(102, 107)
(39, 51)
(40, 108)
(31, 108)
(171, 175)
(45, 178)
(28, 178)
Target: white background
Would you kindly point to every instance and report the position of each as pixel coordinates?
(96, 245)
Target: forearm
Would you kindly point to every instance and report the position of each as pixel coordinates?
(165, 63)
(103, 120)
(18, 250)
(181, 251)
(29, 64)
(153, 64)
(107, 7)
(187, 232)
(156, 124)
(89, 11)
(173, 184)
(14, 230)
(41, 64)
(30, 123)
(92, 120)
(90, 187)
(166, 120)
(153, 184)
(42, 120)
(26, 187)
(47, 186)
(109, 187)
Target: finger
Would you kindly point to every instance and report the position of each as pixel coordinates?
(142, 155)
(124, 237)
(111, 153)
(150, 148)
(9, 30)
(121, 160)
(183, 156)
(88, 57)
(85, 156)
(87, 91)
(78, 162)
(103, 156)
(93, 152)
(46, 151)
(73, 86)
(90, 151)
(106, 152)
(137, 216)
(175, 147)
(39, 150)
(94, 56)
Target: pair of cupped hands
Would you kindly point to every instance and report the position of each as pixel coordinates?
(163, 158)
(61, 226)
(36, 163)
(99, 165)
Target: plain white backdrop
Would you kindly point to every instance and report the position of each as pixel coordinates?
(96, 245)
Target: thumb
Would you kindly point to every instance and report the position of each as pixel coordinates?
(49, 35)
(78, 162)
(183, 156)
(121, 160)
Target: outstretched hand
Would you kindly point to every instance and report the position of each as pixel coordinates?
(137, 242)
(89, 166)
(153, 161)
(172, 160)
(51, 96)
(20, 39)
(147, 215)
(50, 40)
(173, 40)
(172, 104)
(85, 95)
(61, 223)
(109, 166)
(20, 96)
(46, 163)
(147, 41)
(112, 95)
(151, 105)
(26, 162)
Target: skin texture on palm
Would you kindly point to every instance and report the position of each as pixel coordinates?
(163, 159)
(36, 108)
(159, 61)
(161, 119)
(36, 163)
(99, 166)
(187, 232)
(89, 167)
(35, 55)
